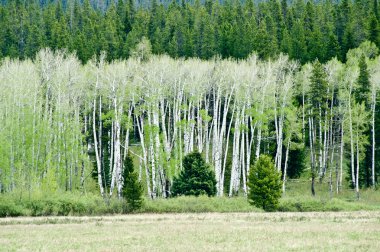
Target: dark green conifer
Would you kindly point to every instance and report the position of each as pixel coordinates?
(132, 188)
(196, 178)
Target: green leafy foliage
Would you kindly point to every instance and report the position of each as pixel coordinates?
(196, 178)
(264, 184)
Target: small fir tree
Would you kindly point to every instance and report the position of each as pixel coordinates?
(264, 183)
(196, 178)
(132, 188)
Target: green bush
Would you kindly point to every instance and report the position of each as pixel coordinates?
(196, 178)
(8, 208)
(307, 204)
(264, 183)
(312, 204)
(198, 204)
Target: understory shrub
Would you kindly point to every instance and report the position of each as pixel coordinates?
(8, 208)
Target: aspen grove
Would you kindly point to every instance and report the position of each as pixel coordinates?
(65, 126)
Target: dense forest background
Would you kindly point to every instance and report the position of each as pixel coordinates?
(305, 30)
(296, 81)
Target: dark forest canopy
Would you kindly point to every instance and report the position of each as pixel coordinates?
(305, 30)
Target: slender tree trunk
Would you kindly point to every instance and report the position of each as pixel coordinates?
(312, 161)
(140, 127)
(97, 154)
(113, 171)
(234, 183)
(357, 166)
(227, 149)
(152, 157)
(157, 147)
(100, 130)
(341, 157)
(117, 151)
(186, 130)
(285, 166)
(164, 130)
(242, 160)
(199, 129)
(373, 140)
(207, 133)
(352, 148)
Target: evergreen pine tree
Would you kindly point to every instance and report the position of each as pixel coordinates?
(362, 92)
(298, 42)
(264, 183)
(362, 95)
(374, 30)
(318, 87)
(196, 178)
(376, 9)
(132, 188)
(265, 45)
(332, 48)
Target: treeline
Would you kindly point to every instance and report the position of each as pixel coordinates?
(63, 123)
(305, 30)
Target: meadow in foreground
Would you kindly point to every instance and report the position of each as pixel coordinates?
(343, 231)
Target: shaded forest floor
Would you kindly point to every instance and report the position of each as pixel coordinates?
(328, 231)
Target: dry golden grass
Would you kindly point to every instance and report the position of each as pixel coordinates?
(323, 231)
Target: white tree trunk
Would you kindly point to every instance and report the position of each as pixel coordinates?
(140, 127)
(152, 157)
(285, 167)
(373, 139)
(341, 157)
(117, 150)
(157, 147)
(352, 147)
(357, 165)
(234, 183)
(98, 163)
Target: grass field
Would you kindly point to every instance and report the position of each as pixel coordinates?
(322, 231)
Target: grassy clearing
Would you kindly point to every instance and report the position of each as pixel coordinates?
(343, 231)
(297, 199)
(93, 205)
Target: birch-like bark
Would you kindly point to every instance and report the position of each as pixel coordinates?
(117, 150)
(234, 183)
(242, 162)
(98, 163)
(140, 127)
(199, 129)
(357, 165)
(111, 160)
(126, 140)
(100, 130)
(165, 134)
(227, 149)
(152, 157)
(312, 159)
(352, 146)
(285, 166)
(157, 148)
(341, 157)
(373, 139)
